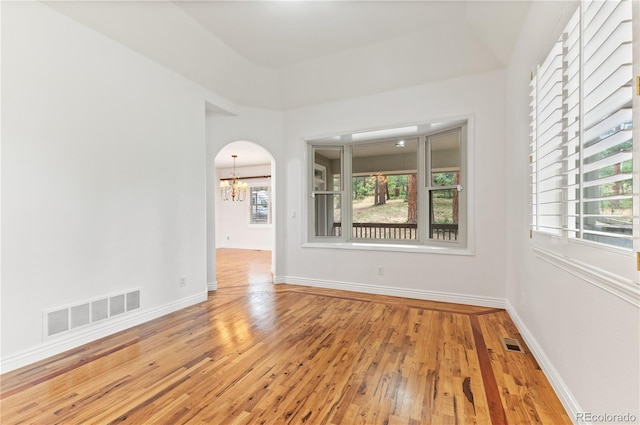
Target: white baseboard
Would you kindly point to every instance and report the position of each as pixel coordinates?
(562, 391)
(58, 345)
(212, 286)
(420, 294)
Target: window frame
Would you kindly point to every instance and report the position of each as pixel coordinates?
(461, 187)
(251, 189)
(311, 149)
(462, 246)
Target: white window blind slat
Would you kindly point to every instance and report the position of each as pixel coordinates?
(550, 120)
(608, 126)
(549, 139)
(616, 155)
(605, 19)
(549, 184)
(551, 62)
(610, 52)
(608, 142)
(607, 199)
(617, 74)
(612, 235)
(551, 99)
(615, 178)
(590, 9)
(615, 101)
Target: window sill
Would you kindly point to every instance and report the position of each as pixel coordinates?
(363, 246)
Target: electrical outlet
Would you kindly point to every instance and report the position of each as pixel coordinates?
(182, 281)
(380, 270)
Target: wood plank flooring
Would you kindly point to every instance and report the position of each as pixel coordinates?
(258, 353)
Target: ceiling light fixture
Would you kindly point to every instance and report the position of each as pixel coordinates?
(236, 190)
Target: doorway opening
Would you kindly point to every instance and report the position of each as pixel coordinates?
(245, 207)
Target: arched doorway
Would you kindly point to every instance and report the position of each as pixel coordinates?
(247, 223)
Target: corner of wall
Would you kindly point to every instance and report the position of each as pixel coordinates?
(562, 390)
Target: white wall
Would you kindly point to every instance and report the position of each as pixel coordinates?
(103, 179)
(233, 229)
(374, 67)
(222, 69)
(478, 278)
(585, 338)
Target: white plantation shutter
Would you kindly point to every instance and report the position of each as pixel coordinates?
(533, 154)
(581, 120)
(548, 149)
(571, 126)
(607, 140)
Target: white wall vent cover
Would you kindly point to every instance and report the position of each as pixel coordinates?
(133, 300)
(64, 319)
(80, 315)
(116, 305)
(58, 321)
(99, 309)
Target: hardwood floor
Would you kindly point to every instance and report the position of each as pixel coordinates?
(258, 353)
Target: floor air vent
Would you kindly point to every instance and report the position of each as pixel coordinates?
(512, 344)
(63, 319)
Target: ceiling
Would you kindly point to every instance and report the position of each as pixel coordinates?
(278, 34)
(288, 54)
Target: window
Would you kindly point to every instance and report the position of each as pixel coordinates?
(260, 205)
(581, 119)
(373, 187)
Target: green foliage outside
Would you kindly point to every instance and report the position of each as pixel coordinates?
(624, 187)
(364, 186)
(443, 179)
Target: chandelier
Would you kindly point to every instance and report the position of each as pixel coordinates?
(232, 188)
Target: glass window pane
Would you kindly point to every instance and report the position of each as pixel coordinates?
(327, 214)
(443, 205)
(383, 185)
(260, 206)
(327, 168)
(445, 158)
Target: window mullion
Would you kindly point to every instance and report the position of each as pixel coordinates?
(347, 195)
(424, 170)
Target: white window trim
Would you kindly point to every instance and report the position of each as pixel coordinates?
(430, 246)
